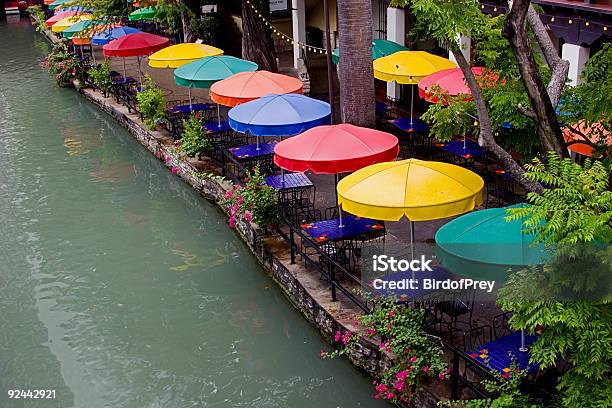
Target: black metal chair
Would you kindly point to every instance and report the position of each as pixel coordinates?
(454, 309)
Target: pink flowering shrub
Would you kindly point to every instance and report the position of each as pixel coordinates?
(63, 66)
(399, 331)
(252, 202)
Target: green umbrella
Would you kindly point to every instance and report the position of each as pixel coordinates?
(144, 13)
(77, 28)
(380, 48)
(483, 245)
(206, 71)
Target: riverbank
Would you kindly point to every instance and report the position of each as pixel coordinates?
(309, 294)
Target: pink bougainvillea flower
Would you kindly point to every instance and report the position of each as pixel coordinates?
(412, 359)
(247, 216)
(167, 159)
(228, 194)
(338, 336)
(402, 375)
(441, 376)
(346, 337)
(425, 369)
(391, 313)
(174, 170)
(371, 332)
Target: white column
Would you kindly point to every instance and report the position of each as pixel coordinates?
(577, 57)
(465, 43)
(396, 31)
(299, 29)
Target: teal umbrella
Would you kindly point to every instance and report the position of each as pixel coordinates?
(77, 28)
(206, 71)
(380, 48)
(483, 245)
(143, 13)
(58, 3)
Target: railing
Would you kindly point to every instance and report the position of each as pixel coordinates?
(328, 273)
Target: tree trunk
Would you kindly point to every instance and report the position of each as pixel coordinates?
(486, 138)
(547, 125)
(257, 43)
(355, 67)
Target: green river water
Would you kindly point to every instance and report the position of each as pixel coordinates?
(119, 286)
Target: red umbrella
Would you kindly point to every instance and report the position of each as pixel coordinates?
(135, 45)
(450, 81)
(59, 16)
(335, 149)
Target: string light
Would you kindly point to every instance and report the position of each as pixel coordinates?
(282, 36)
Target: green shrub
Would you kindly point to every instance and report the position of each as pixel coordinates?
(194, 140)
(151, 103)
(100, 75)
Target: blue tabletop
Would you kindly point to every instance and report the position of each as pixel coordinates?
(214, 126)
(501, 353)
(123, 81)
(288, 181)
(415, 125)
(329, 230)
(249, 151)
(381, 107)
(467, 149)
(195, 107)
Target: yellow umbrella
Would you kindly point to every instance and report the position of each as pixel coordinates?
(64, 23)
(180, 54)
(409, 67)
(417, 189)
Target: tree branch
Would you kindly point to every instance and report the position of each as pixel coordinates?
(486, 137)
(558, 66)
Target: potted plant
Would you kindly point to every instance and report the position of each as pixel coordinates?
(100, 76)
(194, 141)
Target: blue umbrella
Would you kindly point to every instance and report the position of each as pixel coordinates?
(279, 115)
(106, 36)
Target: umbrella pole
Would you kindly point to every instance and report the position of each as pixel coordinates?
(190, 107)
(139, 70)
(411, 102)
(412, 240)
(218, 116)
(523, 346)
(257, 141)
(340, 225)
(336, 185)
(124, 74)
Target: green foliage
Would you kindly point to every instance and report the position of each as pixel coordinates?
(39, 14)
(105, 10)
(417, 355)
(255, 201)
(169, 12)
(507, 391)
(100, 75)
(151, 103)
(575, 208)
(62, 65)
(206, 27)
(194, 140)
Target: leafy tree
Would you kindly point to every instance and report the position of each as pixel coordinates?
(570, 296)
(506, 46)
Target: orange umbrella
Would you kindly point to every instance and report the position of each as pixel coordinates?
(247, 86)
(596, 134)
(85, 39)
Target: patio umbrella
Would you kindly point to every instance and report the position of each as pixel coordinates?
(134, 45)
(52, 20)
(416, 189)
(279, 115)
(335, 149)
(144, 13)
(247, 86)
(68, 22)
(112, 33)
(77, 28)
(380, 48)
(483, 245)
(205, 72)
(177, 55)
(409, 67)
(596, 134)
(450, 81)
(57, 3)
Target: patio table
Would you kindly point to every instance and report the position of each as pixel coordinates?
(251, 151)
(216, 127)
(500, 354)
(467, 149)
(405, 125)
(329, 230)
(381, 107)
(289, 181)
(123, 81)
(184, 109)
